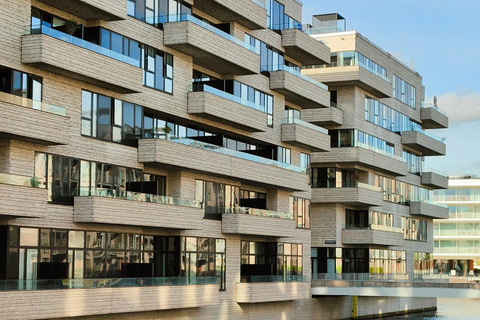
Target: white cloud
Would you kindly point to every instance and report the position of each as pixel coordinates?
(460, 106)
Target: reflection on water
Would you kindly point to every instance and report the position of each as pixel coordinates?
(464, 309)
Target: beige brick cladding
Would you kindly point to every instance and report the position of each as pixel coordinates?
(371, 237)
(428, 210)
(136, 213)
(211, 106)
(433, 119)
(352, 196)
(426, 144)
(304, 48)
(55, 55)
(241, 11)
(324, 117)
(92, 9)
(20, 201)
(268, 292)
(302, 136)
(257, 225)
(434, 180)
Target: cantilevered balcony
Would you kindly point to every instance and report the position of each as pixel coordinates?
(137, 209)
(425, 142)
(203, 157)
(373, 235)
(328, 117)
(429, 209)
(272, 289)
(259, 222)
(44, 299)
(432, 117)
(364, 155)
(297, 88)
(108, 10)
(211, 103)
(434, 179)
(33, 121)
(303, 48)
(249, 13)
(22, 197)
(305, 135)
(361, 195)
(209, 46)
(72, 57)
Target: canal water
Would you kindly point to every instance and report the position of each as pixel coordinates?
(457, 309)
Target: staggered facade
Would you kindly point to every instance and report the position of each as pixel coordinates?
(172, 159)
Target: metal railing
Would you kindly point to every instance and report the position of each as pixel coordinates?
(207, 26)
(238, 154)
(138, 196)
(33, 104)
(58, 284)
(258, 212)
(37, 29)
(292, 120)
(294, 72)
(23, 181)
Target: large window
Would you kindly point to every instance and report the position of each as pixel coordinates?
(401, 192)
(217, 198)
(333, 178)
(415, 229)
(156, 11)
(300, 208)
(423, 263)
(404, 92)
(388, 118)
(346, 138)
(414, 161)
(21, 84)
(276, 17)
(158, 69)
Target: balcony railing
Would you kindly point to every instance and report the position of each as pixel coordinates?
(24, 285)
(434, 171)
(203, 24)
(29, 103)
(258, 212)
(417, 129)
(379, 151)
(138, 196)
(226, 151)
(368, 187)
(291, 70)
(275, 278)
(41, 29)
(260, 3)
(206, 88)
(23, 181)
(429, 105)
(375, 72)
(291, 120)
(429, 201)
(375, 227)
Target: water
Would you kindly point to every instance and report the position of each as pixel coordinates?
(464, 309)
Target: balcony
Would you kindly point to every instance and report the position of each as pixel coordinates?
(305, 135)
(44, 299)
(297, 88)
(108, 10)
(22, 197)
(249, 13)
(428, 208)
(137, 209)
(362, 195)
(357, 75)
(199, 156)
(374, 235)
(273, 289)
(427, 143)
(258, 222)
(324, 117)
(72, 57)
(211, 103)
(434, 179)
(432, 117)
(33, 121)
(209, 46)
(364, 155)
(303, 48)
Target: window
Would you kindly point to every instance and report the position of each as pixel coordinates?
(21, 84)
(388, 118)
(414, 229)
(414, 161)
(356, 219)
(401, 192)
(284, 155)
(300, 208)
(152, 11)
(305, 160)
(333, 178)
(217, 198)
(276, 17)
(158, 69)
(404, 92)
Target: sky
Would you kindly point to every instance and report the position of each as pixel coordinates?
(442, 39)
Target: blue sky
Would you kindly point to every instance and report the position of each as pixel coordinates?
(443, 39)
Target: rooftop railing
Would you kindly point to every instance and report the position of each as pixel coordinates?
(238, 154)
(33, 104)
(291, 120)
(206, 88)
(23, 181)
(41, 29)
(429, 105)
(58, 284)
(207, 26)
(258, 212)
(138, 196)
(291, 70)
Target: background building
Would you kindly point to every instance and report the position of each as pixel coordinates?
(456, 240)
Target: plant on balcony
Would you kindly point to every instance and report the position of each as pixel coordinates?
(71, 26)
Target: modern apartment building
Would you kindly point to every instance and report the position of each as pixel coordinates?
(457, 243)
(155, 162)
(371, 207)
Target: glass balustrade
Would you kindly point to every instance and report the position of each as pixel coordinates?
(17, 180)
(258, 212)
(291, 120)
(272, 68)
(278, 278)
(33, 104)
(429, 105)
